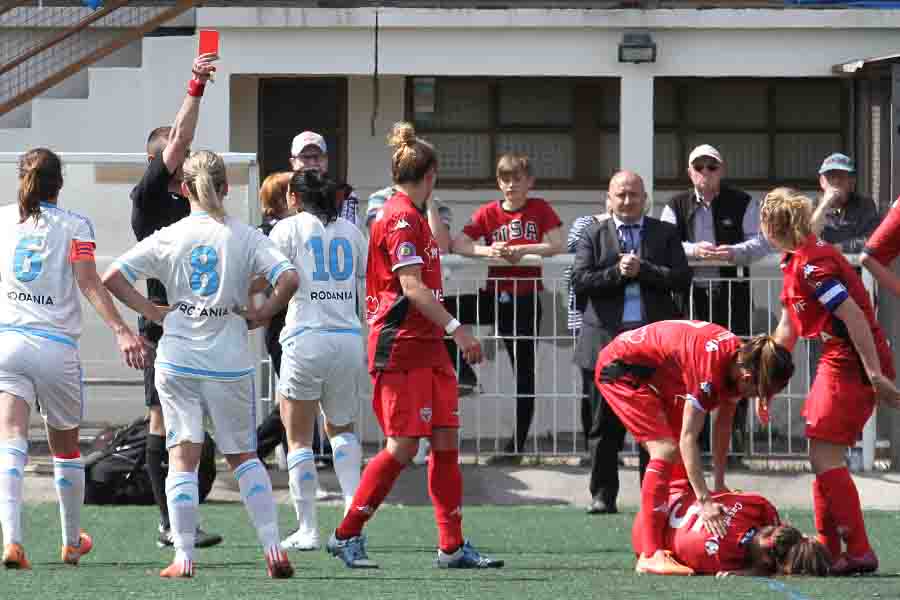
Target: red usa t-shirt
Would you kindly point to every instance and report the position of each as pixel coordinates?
(884, 245)
(688, 361)
(694, 546)
(528, 225)
(400, 337)
(817, 280)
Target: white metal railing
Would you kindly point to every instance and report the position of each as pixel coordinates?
(489, 414)
(98, 184)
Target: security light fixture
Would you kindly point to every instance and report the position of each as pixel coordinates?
(637, 47)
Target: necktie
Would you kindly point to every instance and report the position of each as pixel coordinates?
(629, 242)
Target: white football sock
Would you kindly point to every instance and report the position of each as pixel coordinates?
(304, 481)
(256, 492)
(347, 465)
(183, 498)
(68, 475)
(13, 457)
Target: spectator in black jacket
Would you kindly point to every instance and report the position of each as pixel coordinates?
(630, 268)
(717, 222)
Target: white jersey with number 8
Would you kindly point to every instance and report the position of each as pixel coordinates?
(40, 294)
(330, 261)
(206, 267)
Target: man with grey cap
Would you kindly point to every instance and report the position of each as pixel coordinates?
(717, 222)
(309, 152)
(842, 216)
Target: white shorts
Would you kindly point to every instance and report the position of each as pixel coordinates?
(230, 405)
(324, 366)
(43, 370)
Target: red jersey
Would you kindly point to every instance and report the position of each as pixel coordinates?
(528, 225)
(884, 245)
(695, 547)
(817, 280)
(686, 360)
(400, 337)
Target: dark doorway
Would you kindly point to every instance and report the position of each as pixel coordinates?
(289, 105)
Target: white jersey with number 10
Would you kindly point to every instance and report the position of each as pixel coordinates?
(330, 260)
(206, 267)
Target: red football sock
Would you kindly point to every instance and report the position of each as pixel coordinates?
(825, 526)
(845, 509)
(654, 501)
(445, 485)
(377, 480)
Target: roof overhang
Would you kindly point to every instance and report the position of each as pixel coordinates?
(854, 67)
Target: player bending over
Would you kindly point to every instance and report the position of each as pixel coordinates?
(203, 362)
(661, 379)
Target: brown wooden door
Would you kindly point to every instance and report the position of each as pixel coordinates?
(289, 105)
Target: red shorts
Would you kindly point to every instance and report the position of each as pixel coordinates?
(642, 410)
(838, 406)
(411, 403)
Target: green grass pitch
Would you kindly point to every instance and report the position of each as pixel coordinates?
(551, 553)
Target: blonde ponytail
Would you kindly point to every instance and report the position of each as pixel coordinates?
(786, 215)
(204, 176)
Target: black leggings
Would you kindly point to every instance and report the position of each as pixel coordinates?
(514, 316)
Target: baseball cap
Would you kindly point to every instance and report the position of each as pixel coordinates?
(308, 138)
(837, 162)
(704, 150)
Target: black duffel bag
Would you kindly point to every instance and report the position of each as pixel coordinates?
(116, 469)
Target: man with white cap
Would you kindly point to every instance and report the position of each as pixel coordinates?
(842, 216)
(310, 152)
(721, 223)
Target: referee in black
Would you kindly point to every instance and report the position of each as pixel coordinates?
(156, 202)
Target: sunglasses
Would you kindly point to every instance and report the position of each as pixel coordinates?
(711, 167)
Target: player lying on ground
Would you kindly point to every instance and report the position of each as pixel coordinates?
(756, 542)
(204, 367)
(46, 254)
(824, 298)
(661, 379)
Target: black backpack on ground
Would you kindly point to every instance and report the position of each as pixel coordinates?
(116, 471)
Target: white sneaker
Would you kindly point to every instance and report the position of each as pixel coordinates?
(421, 457)
(304, 541)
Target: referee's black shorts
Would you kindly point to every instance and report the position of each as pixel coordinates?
(152, 332)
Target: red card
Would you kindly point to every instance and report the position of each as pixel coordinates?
(209, 41)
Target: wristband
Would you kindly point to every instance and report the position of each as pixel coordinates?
(452, 326)
(195, 88)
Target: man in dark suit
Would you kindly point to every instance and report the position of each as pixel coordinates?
(631, 270)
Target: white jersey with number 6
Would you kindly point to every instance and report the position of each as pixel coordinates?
(330, 260)
(40, 294)
(206, 267)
